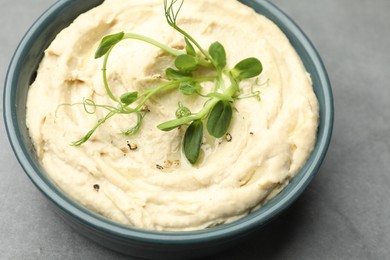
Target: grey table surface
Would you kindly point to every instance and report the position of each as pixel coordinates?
(344, 213)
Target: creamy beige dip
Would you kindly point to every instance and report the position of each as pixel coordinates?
(270, 139)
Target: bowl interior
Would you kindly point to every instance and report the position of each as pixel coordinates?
(22, 72)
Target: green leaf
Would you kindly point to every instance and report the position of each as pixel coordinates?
(172, 124)
(219, 119)
(193, 141)
(233, 82)
(107, 43)
(134, 130)
(247, 68)
(189, 87)
(182, 111)
(218, 53)
(172, 74)
(129, 97)
(186, 63)
(189, 48)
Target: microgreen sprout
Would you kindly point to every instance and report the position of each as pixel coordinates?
(217, 111)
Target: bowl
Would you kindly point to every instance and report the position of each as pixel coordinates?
(128, 240)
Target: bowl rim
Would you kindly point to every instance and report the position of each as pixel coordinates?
(241, 226)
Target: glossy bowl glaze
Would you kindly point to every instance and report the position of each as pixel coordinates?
(136, 242)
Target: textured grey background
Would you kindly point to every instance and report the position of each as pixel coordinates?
(345, 212)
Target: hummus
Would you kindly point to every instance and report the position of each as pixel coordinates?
(145, 180)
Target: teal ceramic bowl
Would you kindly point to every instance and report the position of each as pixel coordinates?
(135, 242)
